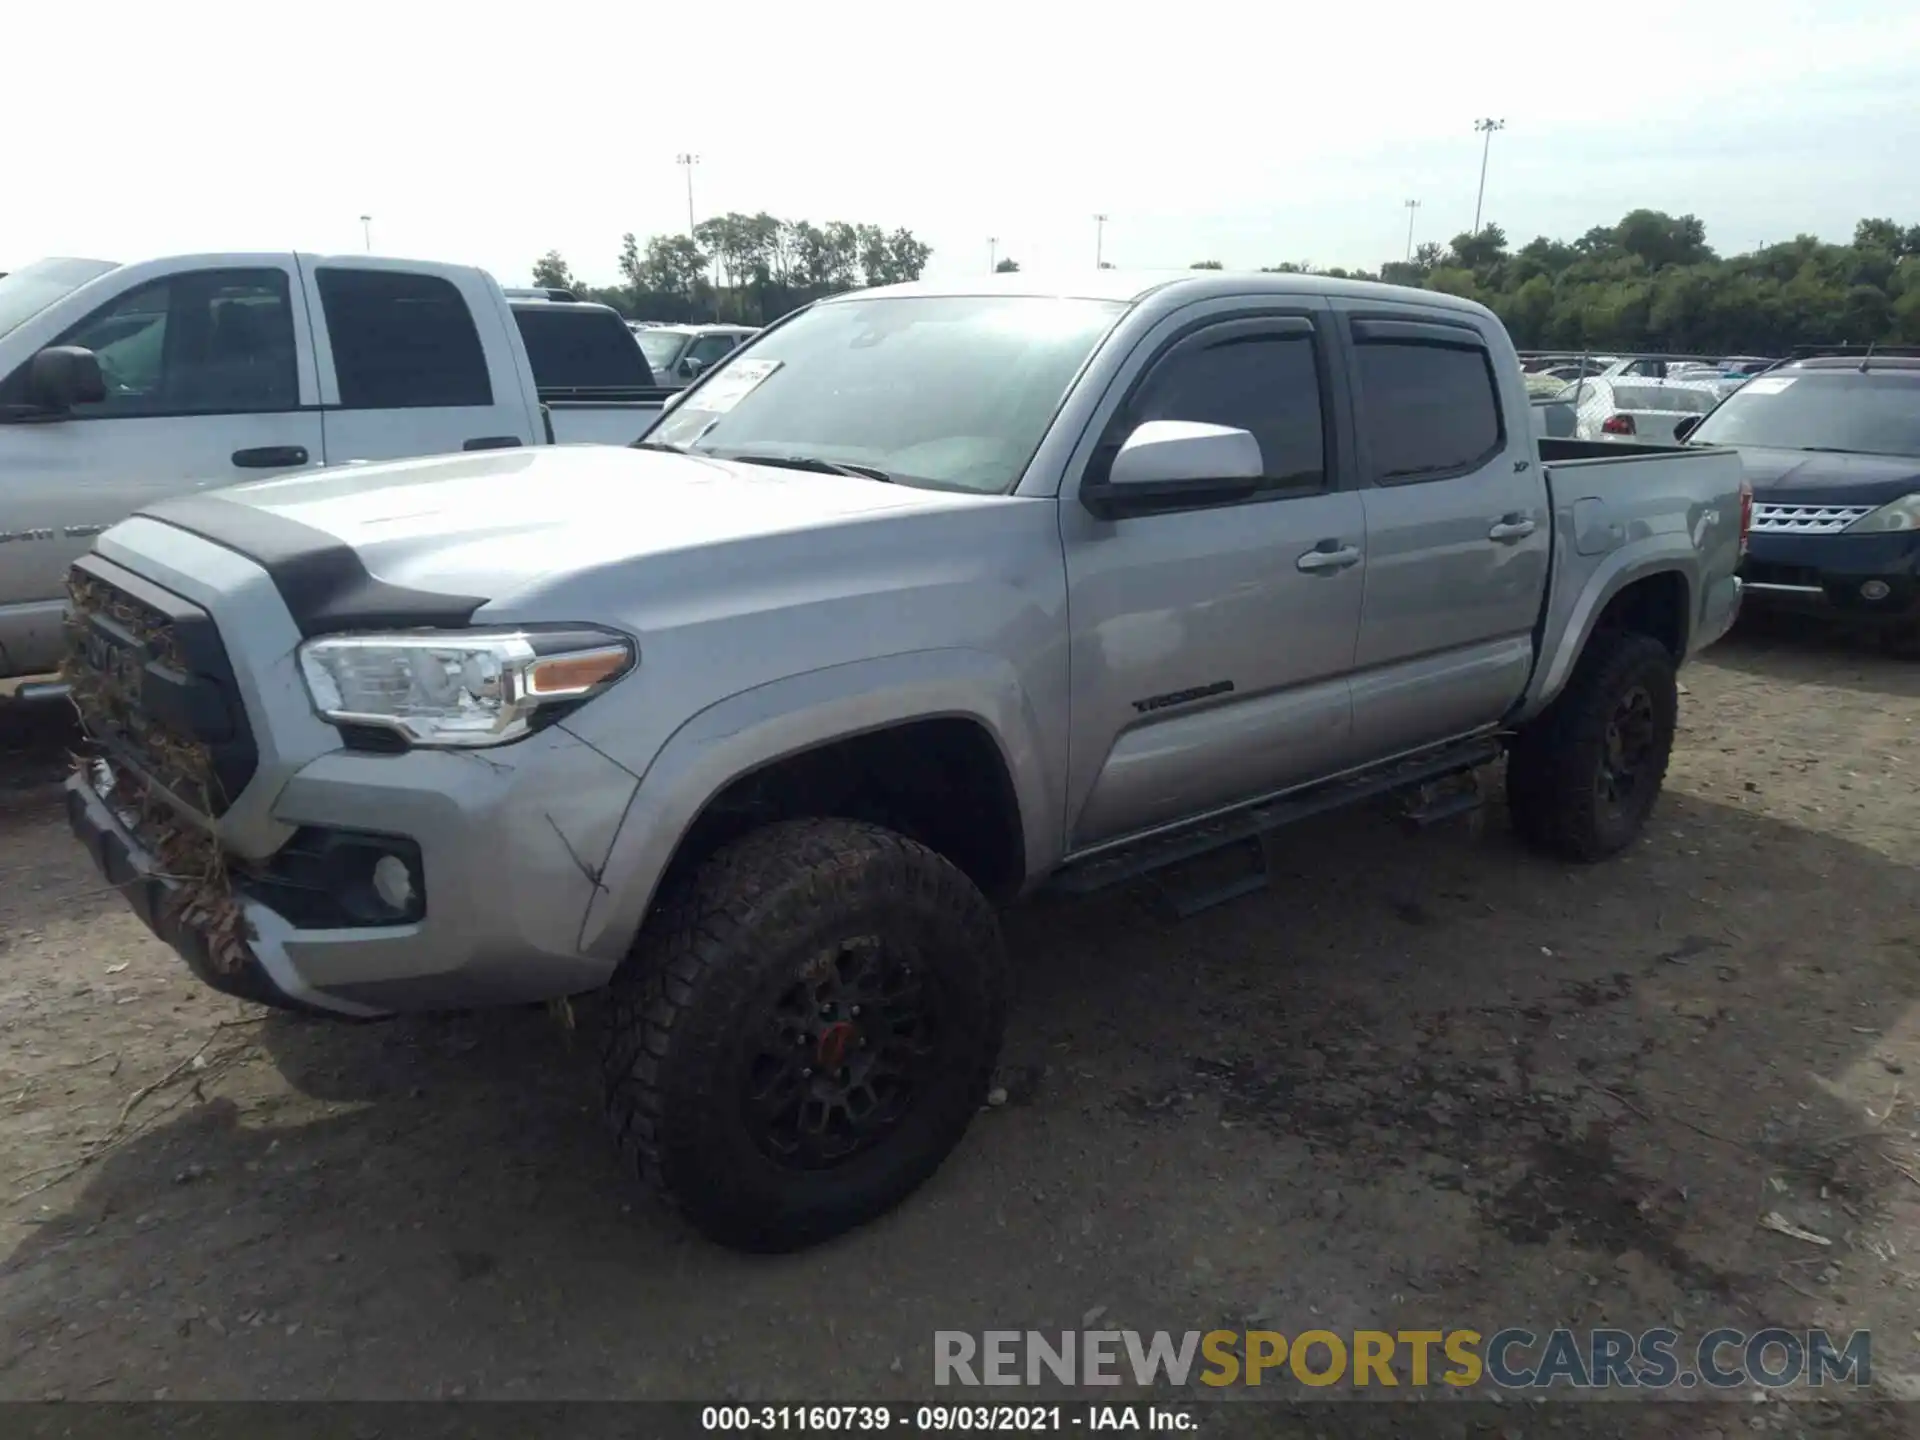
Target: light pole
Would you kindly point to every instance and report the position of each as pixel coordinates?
(1413, 207)
(689, 160)
(1099, 240)
(366, 232)
(993, 252)
(1486, 128)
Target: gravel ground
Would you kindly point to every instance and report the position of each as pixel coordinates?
(1424, 1081)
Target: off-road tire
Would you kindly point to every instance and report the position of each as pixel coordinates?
(714, 953)
(1554, 765)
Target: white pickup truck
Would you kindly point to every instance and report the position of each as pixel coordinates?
(121, 385)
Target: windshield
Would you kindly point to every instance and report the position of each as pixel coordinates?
(25, 293)
(1829, 410)
(1663, 397)
(660, 346)
(952, 392)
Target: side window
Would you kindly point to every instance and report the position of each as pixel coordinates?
(1268, 384)
(1428, 410)
(402, 341)
(710, 348)
(209, 342)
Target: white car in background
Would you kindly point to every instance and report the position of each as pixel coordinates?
(1638, 409)
(679, 353)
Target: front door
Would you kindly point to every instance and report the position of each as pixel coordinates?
(1210, 646)
(1458, 532)
(210, 381)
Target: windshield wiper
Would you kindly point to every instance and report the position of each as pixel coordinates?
(814, 464)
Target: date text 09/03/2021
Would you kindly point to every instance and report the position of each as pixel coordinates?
(946, 1419)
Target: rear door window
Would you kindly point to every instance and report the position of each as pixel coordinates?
(402, 341)
(1430, 409)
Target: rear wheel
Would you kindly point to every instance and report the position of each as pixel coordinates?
(805, 1031)
(1583, 777)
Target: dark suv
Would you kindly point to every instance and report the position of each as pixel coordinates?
(1831, 445)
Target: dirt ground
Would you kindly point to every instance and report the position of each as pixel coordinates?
(1425, 1081)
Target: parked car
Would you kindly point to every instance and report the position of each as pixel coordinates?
(679, 353)
(1638, 410)
(1831, 447)
(928, 598)
(123, 384)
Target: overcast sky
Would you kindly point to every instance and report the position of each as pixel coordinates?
(1248, 133)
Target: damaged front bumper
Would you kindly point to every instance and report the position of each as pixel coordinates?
(503, 850)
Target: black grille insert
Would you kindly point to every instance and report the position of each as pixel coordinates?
(154, 687)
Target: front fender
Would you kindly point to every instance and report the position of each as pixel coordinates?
(1575, 605)
(757, 727)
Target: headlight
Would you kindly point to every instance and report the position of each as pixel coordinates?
(456, 687)
(1901, 514)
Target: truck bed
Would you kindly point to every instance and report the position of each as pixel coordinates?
(1623, 509)
(602, 415)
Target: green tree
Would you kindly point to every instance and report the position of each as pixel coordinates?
(1206, 265)
(550, 273)
(1007, 266)
(1652, 281)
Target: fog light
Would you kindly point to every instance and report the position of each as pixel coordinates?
(393, 883)
(1875, 590)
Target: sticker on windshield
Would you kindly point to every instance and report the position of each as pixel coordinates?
(1768, 384)
(731, 386)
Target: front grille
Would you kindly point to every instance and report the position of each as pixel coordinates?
(1806, 519)
(154, 688)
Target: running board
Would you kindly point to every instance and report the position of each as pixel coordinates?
(1158, 852)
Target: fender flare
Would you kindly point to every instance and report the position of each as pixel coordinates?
(1661, 554)
(757, 727)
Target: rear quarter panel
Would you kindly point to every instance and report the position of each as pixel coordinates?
(1621, 519)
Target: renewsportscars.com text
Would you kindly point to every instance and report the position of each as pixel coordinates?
(1512, 1358)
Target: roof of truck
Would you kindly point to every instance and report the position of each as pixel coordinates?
(1136, 285)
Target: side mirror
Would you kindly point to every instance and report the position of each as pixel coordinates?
(1687, 426)
(691, 368)
(1176, 462)
(63, 376)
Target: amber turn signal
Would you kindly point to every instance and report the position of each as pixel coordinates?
(577, 673)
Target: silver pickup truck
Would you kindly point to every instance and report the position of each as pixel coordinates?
(928, 597)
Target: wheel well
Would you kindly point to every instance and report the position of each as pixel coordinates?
(1655, 606)
(942, 782)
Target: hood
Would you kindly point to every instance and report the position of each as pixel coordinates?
(1790, 477)
(418, 541)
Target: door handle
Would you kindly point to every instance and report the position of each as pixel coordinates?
(492, 442)
(1512, 527)
(270, 457)
(1328, 556)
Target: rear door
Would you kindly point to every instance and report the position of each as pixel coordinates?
(1458, 532)
(210, 378)
(1210, 645)
(413, 360)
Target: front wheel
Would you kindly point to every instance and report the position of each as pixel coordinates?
(805, 1031)
(1583, 777)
